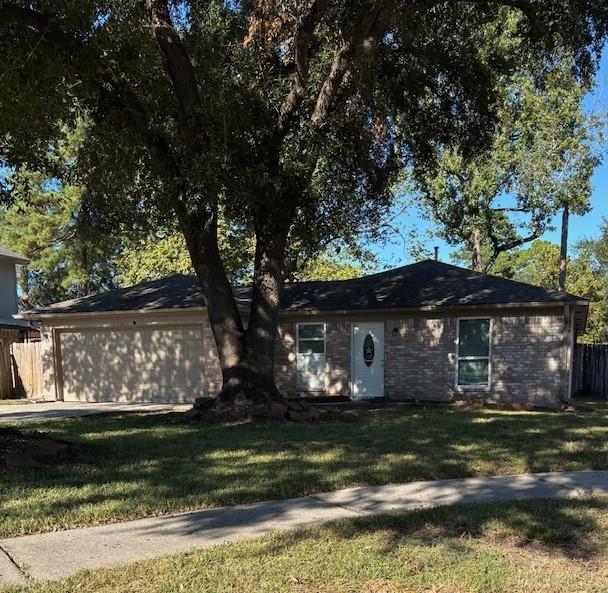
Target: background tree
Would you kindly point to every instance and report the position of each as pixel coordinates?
(160, 254)
(540, 160)
(335, 263)
(293, 119)
(598, 249)
(539, 264)
(48, 221)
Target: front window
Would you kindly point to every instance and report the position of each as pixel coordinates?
(311, 356)
(473, 353)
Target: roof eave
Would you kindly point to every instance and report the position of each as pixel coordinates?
(18, 260)
(431, 308)
(32, 315)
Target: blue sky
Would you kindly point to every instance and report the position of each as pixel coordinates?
(396, 253)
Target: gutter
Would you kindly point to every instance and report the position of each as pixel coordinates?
(426, 308)
(27, 315)
(306, 312)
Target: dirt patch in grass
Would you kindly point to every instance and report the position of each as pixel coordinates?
(20, 449)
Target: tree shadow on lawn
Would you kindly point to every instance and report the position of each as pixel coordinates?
(574, 530)
(141, 465)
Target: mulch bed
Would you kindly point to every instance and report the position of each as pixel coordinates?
(211, 410)
(32, 449)
(331, 409)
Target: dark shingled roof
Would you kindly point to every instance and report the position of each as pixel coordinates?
(425, 284)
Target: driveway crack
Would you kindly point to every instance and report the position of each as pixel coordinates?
(577, 489)
(339, 506)
(22, 574)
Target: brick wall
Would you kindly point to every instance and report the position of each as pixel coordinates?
(285, 358)
(337, 366)
(525, 361)
(420, 358)
(49, 378)
(338, 357)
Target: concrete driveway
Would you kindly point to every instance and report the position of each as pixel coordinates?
(61, 410)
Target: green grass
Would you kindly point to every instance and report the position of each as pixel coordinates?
(524, 547)
(136, 465)
(15, 402)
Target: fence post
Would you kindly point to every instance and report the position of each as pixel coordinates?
(26, 365)
(6, 376)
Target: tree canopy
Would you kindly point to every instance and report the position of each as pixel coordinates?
(292, 119)
(161, 254)
(47, 220)
(540, 159)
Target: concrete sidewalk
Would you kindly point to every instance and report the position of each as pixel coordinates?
(33, 412)
(61, 553)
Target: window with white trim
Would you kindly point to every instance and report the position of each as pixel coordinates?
(473, 353)
(311, 356)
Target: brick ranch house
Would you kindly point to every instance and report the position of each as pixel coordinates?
(426, 331)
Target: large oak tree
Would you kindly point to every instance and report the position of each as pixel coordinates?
(294, 118)
(540, 160)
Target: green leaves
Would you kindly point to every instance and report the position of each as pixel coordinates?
(541, 157)
(471, 95)
(539, 265)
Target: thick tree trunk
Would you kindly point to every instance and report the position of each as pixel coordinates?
(255, 374)
(244, 334)
(563, 252)
(475, 244)
(200, 233)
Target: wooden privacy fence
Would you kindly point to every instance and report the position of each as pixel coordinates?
(590, 372)
(6, 372)
(20, 370)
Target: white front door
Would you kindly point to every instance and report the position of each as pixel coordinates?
(368, 359)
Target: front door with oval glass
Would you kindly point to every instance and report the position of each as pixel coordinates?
(368, 359)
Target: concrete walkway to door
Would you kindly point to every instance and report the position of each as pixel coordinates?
(30, 412)
(61, 553)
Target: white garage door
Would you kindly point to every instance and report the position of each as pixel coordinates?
(132, 365)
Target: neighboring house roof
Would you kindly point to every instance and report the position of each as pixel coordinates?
(8, 255)
(427, 284)
(14, 323)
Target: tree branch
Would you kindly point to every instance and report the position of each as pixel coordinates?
(368, 32)
(26, 16)
(510, 209)
(498, 248)
(179, 67)
(121, 99)
(303, 35)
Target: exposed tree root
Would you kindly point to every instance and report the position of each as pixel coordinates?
(235, 408)
(25, 450)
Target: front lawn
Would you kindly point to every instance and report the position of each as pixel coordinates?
(137, 465)
(525, 547)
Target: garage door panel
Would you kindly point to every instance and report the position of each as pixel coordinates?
(133, 365)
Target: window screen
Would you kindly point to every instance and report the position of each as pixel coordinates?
(474, 352)
(311, 356)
